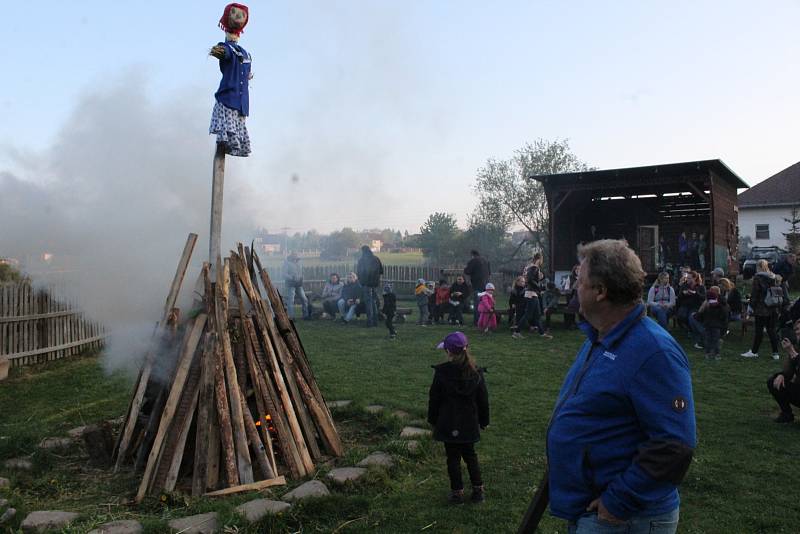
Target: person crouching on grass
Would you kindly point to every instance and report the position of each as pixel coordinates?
(458, 409)
(487, 320)
(785, 386)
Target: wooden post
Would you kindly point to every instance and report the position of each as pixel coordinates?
(217, 185)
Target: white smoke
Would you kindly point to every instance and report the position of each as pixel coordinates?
(113, 198)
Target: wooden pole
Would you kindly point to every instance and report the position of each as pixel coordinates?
(217, 185)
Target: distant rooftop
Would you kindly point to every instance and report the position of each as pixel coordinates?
(782, 189)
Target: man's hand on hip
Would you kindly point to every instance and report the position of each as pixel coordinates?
(602, 513)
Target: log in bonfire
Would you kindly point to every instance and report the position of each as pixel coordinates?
(240, 405)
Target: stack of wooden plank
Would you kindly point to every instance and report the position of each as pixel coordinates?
(226, 400)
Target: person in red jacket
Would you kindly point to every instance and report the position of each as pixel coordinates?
(442, 301)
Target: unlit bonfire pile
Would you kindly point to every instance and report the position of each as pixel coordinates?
(240, 405)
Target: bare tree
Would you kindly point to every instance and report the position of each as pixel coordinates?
(507, 192)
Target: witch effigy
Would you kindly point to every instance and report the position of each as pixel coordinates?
(232, 98)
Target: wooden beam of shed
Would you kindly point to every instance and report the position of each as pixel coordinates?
(560, 202)
(699, 192)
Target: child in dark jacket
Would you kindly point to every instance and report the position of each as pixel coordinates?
(516, 301)
(713, 315)
(459, 292)
(389, 309)
(458, 409)
(550, 302)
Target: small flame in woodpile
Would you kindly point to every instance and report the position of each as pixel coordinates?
(267, 418)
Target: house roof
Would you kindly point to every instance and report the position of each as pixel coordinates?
(642, 173)
(782, 189)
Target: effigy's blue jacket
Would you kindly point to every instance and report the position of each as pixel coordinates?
(234, 89)
(623, 428)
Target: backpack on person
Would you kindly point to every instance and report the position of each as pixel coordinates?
(773, 296)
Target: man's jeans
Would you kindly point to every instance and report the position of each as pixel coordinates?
(290, 292)
(475, 300)
(660, 524)
(347, 313)
(372, 308)
(661, 315)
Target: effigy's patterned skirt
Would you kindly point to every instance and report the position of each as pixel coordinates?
(231, 131)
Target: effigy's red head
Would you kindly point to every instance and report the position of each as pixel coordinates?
(234, 18)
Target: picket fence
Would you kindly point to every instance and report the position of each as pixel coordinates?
(37, 327)
(402, 277)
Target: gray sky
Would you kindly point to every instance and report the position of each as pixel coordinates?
(385, 110)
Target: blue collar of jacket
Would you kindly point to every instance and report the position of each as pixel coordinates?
(616, 333)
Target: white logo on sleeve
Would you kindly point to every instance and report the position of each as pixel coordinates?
(610, 355)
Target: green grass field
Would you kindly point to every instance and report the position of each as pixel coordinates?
(741, 480)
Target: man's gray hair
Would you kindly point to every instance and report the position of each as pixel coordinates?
(612, 264)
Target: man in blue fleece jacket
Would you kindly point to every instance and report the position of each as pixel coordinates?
(622, 433)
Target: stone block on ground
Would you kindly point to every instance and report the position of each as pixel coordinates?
(76, 432)
(412, 446)
(55, 443)
(377, 458)
(23, 464)
(255, 510)
(196, 524)
(312, 488)
(126, 526)
(338, 403)
(3, 504)
(340, 475)
(45, 520)
(5, 366)
(4, 483)
(8, 515)
(400, 414)
(414, 432)
(374, 408)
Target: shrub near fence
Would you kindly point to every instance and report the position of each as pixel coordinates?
(35, 327)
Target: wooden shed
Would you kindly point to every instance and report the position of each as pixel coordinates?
(649, 207)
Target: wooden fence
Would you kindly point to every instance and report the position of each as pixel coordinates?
(402, 277)
(36, 327)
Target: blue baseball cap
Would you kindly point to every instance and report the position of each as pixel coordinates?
(454, 342)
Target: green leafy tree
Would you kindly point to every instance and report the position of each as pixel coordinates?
(512, 197)
(438, 237)
(8, 274)
(335, 245)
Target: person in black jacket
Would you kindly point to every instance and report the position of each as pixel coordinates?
(459, 293)
(713, 314)
(369, 270)
(516, 301)
(478, 270)
(785, 386)
(389, 308)
(458, 409)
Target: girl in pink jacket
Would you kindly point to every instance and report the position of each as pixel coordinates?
(487, 320)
